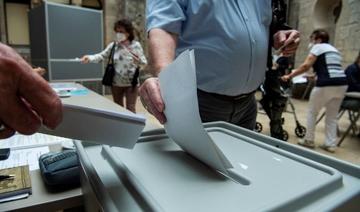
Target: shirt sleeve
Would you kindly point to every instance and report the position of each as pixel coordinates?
(96, 58)
(316, 50)
(165, 14)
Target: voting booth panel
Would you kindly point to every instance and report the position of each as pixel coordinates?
(158, 176)
(60, 33)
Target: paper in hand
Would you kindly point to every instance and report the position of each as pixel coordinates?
(179, 92)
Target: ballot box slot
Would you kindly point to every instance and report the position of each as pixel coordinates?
(337, 164)
(294, 157)
(137, 190)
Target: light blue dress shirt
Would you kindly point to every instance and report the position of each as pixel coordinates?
(230, 38)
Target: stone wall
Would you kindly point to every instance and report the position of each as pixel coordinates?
(113, 11)
(131, 9)
(307, 15)
(347, 38)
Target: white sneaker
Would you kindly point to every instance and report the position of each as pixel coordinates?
(328, 148)
(306, 143)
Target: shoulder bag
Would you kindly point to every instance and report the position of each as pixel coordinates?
(109, 74)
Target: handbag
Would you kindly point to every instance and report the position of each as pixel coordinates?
(109, 74)
(135, 78)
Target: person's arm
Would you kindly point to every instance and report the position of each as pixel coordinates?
(96, 58)
(282, 37)
(162, 45)
(286, 41)
(164, 21)
(28, 100)
(304, 67)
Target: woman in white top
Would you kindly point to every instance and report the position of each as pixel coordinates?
(329, 91)
(128, 56)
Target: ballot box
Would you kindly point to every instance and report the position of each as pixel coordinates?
(158, 176)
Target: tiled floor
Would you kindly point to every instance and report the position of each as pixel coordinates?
(349, 150)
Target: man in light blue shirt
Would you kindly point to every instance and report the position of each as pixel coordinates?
(230, 39)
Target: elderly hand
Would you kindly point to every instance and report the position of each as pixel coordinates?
(287, 41)
(26, 99)
(151, 98)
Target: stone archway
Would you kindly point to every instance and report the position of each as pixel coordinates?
(326, 15)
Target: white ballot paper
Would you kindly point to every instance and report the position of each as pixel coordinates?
(99, 126)
(179, 92)
(76, 59)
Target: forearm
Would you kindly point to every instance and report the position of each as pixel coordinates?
(162, 47)
(96, 58)
(302, 69)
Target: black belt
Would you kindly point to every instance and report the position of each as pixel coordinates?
(227, 98)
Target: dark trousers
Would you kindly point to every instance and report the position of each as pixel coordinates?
(240, 111)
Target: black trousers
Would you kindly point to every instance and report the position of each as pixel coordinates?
(240, 111)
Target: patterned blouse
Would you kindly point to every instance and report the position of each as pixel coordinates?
(124, 63)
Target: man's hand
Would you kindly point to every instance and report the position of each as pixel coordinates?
(26, 99)
(162, 46)
(150, 97)
(287, 41)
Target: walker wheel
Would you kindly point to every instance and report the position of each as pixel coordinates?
(258, 127)
(300, 131)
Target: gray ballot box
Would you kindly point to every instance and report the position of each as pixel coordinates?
(158, 176)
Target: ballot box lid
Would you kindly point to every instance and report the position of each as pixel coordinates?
(281, 177)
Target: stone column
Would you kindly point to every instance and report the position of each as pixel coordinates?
(131, 9)
(135, 11)
(302, 19)
(113, 11)
(3, 37)
(348, 31)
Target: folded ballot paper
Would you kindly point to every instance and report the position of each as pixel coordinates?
(99, 126)
(179, 92)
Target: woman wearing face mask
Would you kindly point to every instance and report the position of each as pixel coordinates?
(329, 91)
(128, 56)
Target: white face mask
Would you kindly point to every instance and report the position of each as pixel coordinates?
(310, 45)
(120, 37)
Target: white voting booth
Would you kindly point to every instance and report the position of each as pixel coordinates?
(212, 167)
